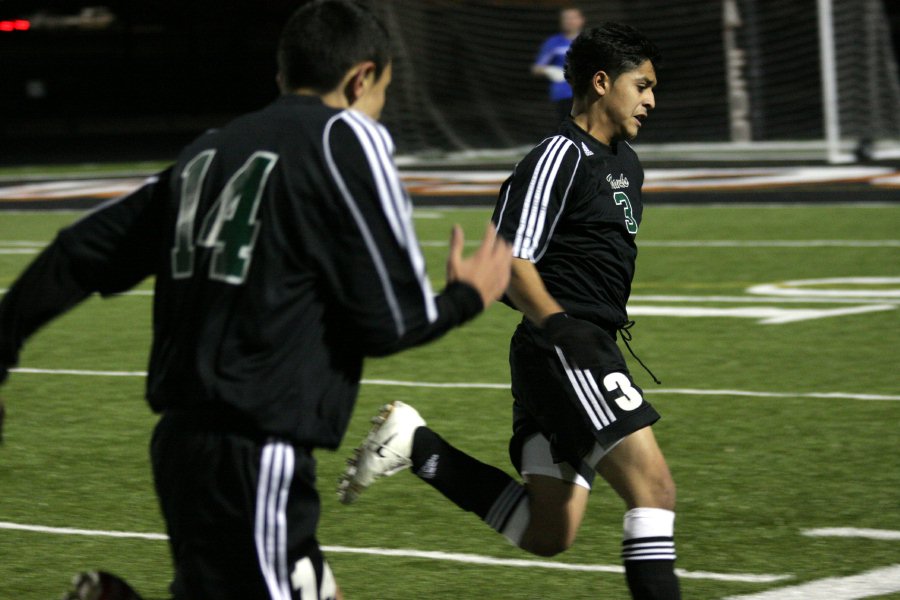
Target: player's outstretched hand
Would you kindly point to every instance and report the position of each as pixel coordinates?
(578, 339)
(487, 270)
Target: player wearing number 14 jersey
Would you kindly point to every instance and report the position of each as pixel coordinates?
(283, 251)
(572, 210)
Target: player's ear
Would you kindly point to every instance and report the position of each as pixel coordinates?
(601, 83)
(361, 78)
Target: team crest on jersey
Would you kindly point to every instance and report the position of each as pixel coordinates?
(620, 182)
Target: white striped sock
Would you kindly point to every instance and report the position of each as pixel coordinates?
(648, 534)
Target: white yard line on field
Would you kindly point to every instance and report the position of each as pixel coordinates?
(770, 243)
(475, 559)
(765, 315)
(505, 386)
(751, 394)
(21, 246)
(426, 384)
(854, 532)
(80, 372)
(876, 582)
(809, 287)
(85, 532)
(755, 299)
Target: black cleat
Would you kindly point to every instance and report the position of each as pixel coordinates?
(100, 585)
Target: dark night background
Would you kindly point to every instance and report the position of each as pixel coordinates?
(161, 72)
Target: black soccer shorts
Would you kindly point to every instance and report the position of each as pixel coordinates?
(241, 513)
(575, 409)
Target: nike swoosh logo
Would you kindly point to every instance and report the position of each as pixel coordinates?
(383, 445)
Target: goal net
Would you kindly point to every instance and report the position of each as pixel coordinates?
(741, 79)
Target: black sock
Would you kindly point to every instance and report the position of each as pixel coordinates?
(648, 551)
(652, 579)
(470, 484)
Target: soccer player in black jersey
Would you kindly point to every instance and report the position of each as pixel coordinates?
(284, 252)
(571, 209)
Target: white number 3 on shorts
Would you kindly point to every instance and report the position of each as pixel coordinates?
(630, 398)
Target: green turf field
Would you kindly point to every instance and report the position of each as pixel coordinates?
(753, 471)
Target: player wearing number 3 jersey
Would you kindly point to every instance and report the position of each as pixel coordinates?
(572, 210)
(284, 252)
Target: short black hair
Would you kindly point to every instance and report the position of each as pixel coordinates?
(325, 38)
(612, 47)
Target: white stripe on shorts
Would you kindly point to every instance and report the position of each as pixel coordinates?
(588, 393)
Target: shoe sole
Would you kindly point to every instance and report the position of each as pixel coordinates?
(349, 489)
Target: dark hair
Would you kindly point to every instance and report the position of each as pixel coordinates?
(325, 38)
(613, 48)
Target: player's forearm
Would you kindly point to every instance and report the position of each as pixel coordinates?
(457, 304)
(529, 294)
(44, 291)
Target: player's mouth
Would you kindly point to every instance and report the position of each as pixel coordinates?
(639, 119)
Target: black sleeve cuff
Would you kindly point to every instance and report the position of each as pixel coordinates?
(465, 301)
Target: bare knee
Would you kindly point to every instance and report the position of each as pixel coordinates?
(556, 510)
(548, 543)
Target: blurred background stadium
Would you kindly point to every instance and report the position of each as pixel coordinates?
(742, 79)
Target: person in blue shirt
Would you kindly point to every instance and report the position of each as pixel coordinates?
(552, 57)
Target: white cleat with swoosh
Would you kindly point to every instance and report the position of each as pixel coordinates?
(385, 450)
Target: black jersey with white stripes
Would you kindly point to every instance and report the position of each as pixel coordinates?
(284, 252)
(573, 207)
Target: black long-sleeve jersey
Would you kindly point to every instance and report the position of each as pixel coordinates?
(284, 252)
(573, 207)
